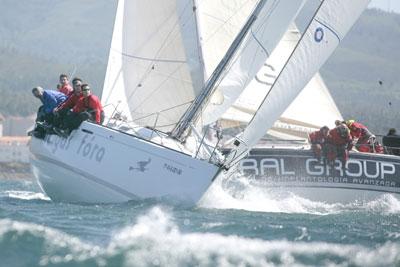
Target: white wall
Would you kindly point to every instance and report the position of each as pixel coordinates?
(14, 151)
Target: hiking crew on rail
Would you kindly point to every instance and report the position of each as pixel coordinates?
(349, 135)
(63, 111)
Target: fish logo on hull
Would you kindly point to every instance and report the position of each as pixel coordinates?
(141, 165)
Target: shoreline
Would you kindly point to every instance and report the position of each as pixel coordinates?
(15, 170)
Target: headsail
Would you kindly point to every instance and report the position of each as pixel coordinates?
(327, 28)
(259, 43)
(301, 116)
(156, 70)
(113, 96)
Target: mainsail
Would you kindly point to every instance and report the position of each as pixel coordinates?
(219, 22)
(331, 22)
(154, 72)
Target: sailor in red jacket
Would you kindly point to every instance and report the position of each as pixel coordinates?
(64, 86)
(339, 142)
(89, 103)
(88, 107)
(61, 111)
(362, 134)
(73, 98)
(317, 140)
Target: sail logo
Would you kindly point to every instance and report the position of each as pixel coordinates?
(141, 165)
(319, 34)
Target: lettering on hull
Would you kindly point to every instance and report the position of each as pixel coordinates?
(301, 170)
(88, 147)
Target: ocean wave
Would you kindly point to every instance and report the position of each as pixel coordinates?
(387, 204)
(155, 240)
(242, 194)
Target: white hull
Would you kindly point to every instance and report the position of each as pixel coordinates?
(101, 165)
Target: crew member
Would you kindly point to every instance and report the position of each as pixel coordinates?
(61, 111)
(44, 120)
(50, 100)
(88, 107)
(391, 141)
(317, 140)
(362, 134)
(339, 142)
(64, 86)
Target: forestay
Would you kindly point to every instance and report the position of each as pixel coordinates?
(268, 29)
(155, 68)
(330, 24)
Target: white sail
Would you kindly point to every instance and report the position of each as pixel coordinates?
(217, 29)
(331, 23)
(265, 34)
(113, 96)
(156, 68)
(301, 115)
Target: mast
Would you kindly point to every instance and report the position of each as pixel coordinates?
(195, 108)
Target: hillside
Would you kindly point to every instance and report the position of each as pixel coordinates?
(363, 73)
(41, 39)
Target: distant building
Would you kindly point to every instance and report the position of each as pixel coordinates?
(14, 149)
(17, 126)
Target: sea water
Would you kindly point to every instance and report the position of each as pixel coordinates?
(244, 226)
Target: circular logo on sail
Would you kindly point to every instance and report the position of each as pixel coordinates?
(319, 34)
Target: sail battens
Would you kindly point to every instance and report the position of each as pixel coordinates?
(154, 59)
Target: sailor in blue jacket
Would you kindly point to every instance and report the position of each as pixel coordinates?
(50, 99)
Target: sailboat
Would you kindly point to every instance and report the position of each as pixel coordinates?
(294, 169)
(154, 94)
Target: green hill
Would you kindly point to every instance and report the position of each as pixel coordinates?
(363, 73)
(42, 38)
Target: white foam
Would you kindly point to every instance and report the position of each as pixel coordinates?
(387, 204)
(239, 193)
(243, 195)
(56, 245)
(26, 195)
(156, 240)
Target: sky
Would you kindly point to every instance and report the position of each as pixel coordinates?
(387, 5)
